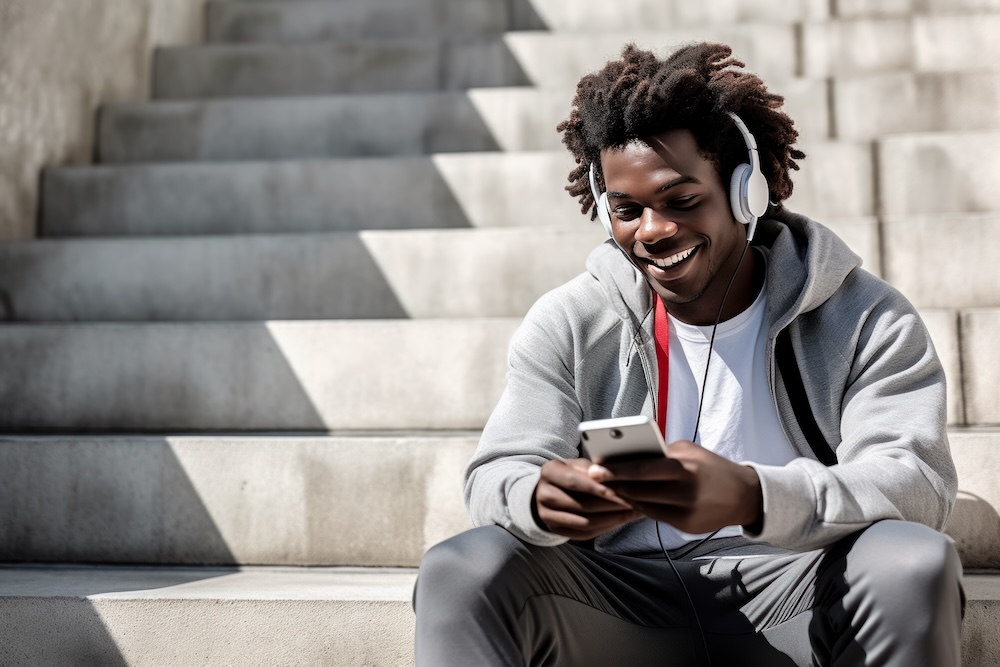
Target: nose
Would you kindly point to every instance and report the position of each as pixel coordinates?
(654, 227)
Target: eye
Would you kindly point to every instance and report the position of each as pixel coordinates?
(685, 203)
(625, 213)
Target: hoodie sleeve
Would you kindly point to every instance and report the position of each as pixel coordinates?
(534, 422)
(893, 460)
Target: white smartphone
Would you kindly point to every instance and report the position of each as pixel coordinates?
(622, 437)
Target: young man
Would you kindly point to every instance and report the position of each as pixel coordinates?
(802, 397)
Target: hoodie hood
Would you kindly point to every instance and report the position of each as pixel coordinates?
(815, 263)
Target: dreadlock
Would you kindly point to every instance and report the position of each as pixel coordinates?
(694, 88)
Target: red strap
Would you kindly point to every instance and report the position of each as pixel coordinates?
(661, 328)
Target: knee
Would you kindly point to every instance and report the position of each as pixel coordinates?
(907, 553)
(468, 563)
(905, 566)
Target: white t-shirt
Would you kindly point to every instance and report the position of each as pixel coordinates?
(739, 420)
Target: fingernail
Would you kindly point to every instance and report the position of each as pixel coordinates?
(598, 472)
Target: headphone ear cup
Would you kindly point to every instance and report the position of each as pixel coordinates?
(604, 213)
(738, 194)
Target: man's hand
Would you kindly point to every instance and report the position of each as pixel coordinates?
(573, 505)
(693, 489)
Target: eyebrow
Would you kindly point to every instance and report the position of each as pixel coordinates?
(680, 180)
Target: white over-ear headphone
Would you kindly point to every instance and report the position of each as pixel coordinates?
(748, 194)
(748, 188)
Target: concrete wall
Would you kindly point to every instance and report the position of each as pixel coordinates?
(59, 59)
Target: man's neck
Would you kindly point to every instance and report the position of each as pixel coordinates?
(746, 285)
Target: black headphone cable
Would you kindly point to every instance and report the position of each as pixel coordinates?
(697, 424)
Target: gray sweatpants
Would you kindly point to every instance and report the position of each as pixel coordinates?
(889, 595)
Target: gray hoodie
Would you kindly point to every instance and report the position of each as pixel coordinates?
(874, 385)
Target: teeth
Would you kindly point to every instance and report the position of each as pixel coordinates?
(667, 262)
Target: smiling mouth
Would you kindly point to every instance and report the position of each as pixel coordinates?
(673, 260)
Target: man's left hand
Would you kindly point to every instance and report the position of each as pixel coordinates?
(692, 489)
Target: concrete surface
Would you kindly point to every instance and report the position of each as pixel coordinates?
(296, 499)
(875, 8)
(942, 325)
(319, 20)
(943, 261)
(274, 376)
(372, 274)
(975, 521)
(427, 64)
(294, 375)
(277, 616)
(935, 43)
(396, 124)
(440, 191)
(259, 616)
(980, 365)
(941, 172)
(275, 499)
(872, 106)
(58, 61)
(481, 190)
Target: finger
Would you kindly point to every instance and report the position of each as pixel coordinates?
(575, 480)
(676, 494)
(659, 468)
(579, 527)
(560, 499)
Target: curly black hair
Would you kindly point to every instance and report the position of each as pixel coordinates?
(694, 88)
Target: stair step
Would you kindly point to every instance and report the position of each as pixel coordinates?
(260, 376)
(440, 191)
(872, 106)
(944, 172)
(340, 275)
(875, 8)
(919, 43)
(443, 191)
(315, 20)
(205, 616)
(427, 64)
(275, 376)
(394, 124)
(274, 615)
(373, 499)
(345, 275)
(943, 260)
(296, 499)
(980, 365)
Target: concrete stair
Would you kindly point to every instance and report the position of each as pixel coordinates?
(319, 20)
(118, 616)
(244, 368)
(361, 65)
(208, 616)
(386, 124)
(266, 499)
(251, 376)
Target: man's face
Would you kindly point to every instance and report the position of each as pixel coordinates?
(671, 215)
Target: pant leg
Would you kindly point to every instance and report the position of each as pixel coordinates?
(892, 596)
(486, 598)
(889, 595)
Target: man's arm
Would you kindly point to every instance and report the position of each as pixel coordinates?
(534, 423)
(893, 457)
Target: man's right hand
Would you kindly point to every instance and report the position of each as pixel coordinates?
(573, 505)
